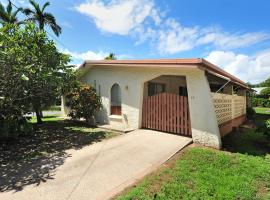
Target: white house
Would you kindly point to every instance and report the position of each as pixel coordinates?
(190, 97)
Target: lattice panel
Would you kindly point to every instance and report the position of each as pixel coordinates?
(239, 106)
(223, 107)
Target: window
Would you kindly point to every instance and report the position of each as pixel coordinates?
(115, 100)
(183, 91)
(155, 88)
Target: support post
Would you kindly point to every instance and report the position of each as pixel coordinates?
(204, 124)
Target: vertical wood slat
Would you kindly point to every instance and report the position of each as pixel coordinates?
(167, 112)
(174, 114)
(163, 112)
(186, 116)
(177, 115)
(181, 115)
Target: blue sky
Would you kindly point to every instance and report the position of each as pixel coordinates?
(233, 34)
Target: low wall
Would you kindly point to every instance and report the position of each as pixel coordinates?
(230, 111)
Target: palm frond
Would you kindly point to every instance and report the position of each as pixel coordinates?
(14, 14)
(3, 14)
(2, 9)
(27, 11)
(44, 6)
(50, 20)
(35, 5)
(9, 7)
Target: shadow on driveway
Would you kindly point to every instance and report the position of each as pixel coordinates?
(33, 159)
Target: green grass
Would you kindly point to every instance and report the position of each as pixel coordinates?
(203, 173)
(50, 118)
(53, 108)
(261, 110)
(241, 171)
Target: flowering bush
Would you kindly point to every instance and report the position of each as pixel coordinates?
(83, 102)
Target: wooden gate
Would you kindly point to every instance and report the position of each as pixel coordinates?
(167, 112)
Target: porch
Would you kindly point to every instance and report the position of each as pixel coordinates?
(165, 105)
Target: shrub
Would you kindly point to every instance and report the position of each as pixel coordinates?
(265, 91)
(264, 128)
(83, 102)
(260, 102)
(14, 127)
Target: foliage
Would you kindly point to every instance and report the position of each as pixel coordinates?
(111, 56)
(264, 128)
(7, 15)
(83, 102)
(42, 18)
(32, 72)
(265, 83)
(260, 102)
(265, 92)
(250, 85)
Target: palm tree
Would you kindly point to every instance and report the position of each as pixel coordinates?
(111, 56)
(8, 16)
(42, 18)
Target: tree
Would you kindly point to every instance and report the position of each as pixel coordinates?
(42, 18)
(265, 83)
(265, 92)
(111, 56)
(33, 71)
(8, 16)
(83, 102)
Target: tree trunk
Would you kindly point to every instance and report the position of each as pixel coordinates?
(39, 120)
(41, 113)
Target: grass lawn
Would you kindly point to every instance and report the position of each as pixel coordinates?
(240, 171)
(261, 110)
(31, 159)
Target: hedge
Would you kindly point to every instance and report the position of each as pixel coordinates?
(260, 102)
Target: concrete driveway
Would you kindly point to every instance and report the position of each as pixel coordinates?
(101, 170)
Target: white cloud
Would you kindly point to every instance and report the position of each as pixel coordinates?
(174, 38)
(78, 57)
(168, 36)
(231, 41)
(88, 55)
(252, 69)
(119, 16)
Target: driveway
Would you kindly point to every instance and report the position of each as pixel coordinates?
(101, 170)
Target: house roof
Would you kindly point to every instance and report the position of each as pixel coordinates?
(166, 63)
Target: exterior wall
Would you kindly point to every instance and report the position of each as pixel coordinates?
(230, 111)
(131, 80)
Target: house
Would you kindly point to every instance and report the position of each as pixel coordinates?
(189, 97)
(257, 90)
